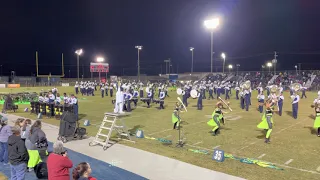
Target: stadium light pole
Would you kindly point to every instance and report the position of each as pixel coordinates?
(191, 49)
(211, 24)
(223, 55)
(100, 60)
(269, 65)
(296, 69)
(139, 48)
(238, 65)
(230, 67)
(78, 52)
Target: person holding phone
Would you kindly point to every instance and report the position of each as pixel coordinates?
(58, 163)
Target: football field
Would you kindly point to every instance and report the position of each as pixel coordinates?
(294, 145)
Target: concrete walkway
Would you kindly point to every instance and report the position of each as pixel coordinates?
(140, 163)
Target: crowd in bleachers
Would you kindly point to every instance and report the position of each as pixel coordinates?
(24, 147)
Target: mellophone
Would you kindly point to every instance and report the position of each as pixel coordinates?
(50, 109)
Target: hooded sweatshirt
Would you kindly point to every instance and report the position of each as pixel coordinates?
(38, 137)
(18, 153)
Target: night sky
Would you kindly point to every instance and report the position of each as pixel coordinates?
(249, 32)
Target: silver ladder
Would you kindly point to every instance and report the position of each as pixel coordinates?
(108, 125)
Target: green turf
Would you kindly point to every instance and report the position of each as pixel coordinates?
(290, 139)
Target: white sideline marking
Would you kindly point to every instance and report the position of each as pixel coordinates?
(273, 134)
(198, 147)
(318, 169)
(216, 147)
(261, 156)
(288, 162)
(197, 143)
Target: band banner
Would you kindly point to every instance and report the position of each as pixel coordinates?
(13, 85)
(65, 84)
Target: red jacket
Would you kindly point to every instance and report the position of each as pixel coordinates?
(58, 167)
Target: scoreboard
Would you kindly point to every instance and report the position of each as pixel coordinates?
(99, 67)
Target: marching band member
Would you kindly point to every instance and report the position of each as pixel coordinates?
(267, 123)
(149, 96)
(58, 99)
(119, 100)
(51, 97)
(295, 102)
(166, 91)
(65, 98)
(106, 87)
(217, 118)
(74, 102)
(316, 124)
(128, 98)
(40, 98)
(76, 87)
(247, 99)
(242, 101)
(102, 90)
(185, 99)
(135, 97)
(175, 118)
(111, 89)
(161, 97)
(261, 101)
(237, 92)
(227, 92)
(54, 91)
(81, 88)
(199, 103)
(280, 103)
(218, 91)
(46, 99)
(210, 92)
(141, 91)
(303, 89)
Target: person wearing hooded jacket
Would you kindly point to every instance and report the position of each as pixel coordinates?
(18, 154)
(5, 132)
(39, 140)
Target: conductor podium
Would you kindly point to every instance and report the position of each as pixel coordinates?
(108, 125)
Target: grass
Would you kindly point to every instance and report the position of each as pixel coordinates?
(3, 177)
(290, 139)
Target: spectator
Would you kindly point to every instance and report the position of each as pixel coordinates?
(18, 155)
(82, 172)
(38, 140)
(5, 132)
(58, 163)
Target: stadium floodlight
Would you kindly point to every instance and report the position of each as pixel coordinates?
(139, 49)
(269, 65)
(100, 59)
(212, 24)
(78, 52)
(223, 55)
(230, 66)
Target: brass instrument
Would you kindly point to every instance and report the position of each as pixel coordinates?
(296, 87)
(245, 85)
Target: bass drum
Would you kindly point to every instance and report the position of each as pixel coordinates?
(194, 93)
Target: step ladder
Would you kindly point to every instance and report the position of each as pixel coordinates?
(108, 125)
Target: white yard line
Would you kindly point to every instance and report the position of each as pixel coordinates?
(197, 143)
(216, 147)
(184, 125)
(272, 134)
(288, 162)
(261, 156)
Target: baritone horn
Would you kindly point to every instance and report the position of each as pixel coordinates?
(245, 85)
(296, 87)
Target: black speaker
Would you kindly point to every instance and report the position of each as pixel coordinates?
(69, 117)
